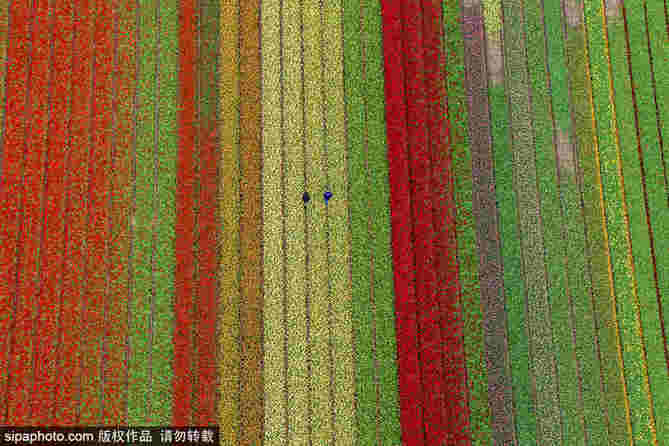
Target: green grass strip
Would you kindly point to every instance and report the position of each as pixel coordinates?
(626, 312)
(659, 50)
(358, 175)
(295, 256)
(166, 156)
(578, 277)
(542, 359)
(317, 267)
(379, 192)
(514, 287)
(636, 213)
(273, 253)
(467, 253)
(545, 139)
(139, 364)
(598, 255)
(653, 169)
(338, 215)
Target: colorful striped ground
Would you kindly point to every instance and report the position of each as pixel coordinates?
(351, 222)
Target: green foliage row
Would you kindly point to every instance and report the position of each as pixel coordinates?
(509, 232)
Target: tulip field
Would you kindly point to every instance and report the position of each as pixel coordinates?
(337, 222)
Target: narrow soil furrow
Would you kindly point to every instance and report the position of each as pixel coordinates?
(70, 351)
(593, 207)
(410, 389)
(273, 249)
(467, 256)
(185, 219)
(165, 174)
(626, 312)
(250, 227)
(51, 249)
(97, 215)
(484, 130)
(229, 341)
(19, 368)
(337, 212)
(385, 343)
(143, 292)
(361, 254)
